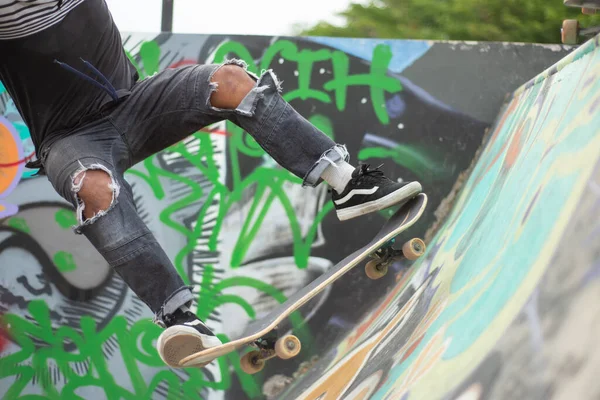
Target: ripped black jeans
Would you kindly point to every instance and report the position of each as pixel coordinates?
(162, 110)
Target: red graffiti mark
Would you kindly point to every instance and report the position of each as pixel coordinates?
(182, 63)
(3, 338)
(216, 132)
(14, 164)
(509, 112)
(412, 348)
(514, 149)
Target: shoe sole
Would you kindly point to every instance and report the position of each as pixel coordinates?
(178, 342)
(397, 197)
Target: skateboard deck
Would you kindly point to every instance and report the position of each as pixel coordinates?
(261, 333)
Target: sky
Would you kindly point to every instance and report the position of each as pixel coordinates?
(259, 17)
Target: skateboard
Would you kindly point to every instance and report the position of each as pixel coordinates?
(571, 30)
(262, 333)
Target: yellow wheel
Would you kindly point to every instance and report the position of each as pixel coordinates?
(375, 271)
(251, 362)
(413, 249)
(287, 347)
(570, 31)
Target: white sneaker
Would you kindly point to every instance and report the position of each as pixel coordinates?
(370, 191)
(185, 335)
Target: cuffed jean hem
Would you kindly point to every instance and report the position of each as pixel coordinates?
(280, 130)
(330, 157)
(181, 297)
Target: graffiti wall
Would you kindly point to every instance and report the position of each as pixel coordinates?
(505, 302)
(238, 228)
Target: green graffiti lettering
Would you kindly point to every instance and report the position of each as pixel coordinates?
(64, 261)
(239, 50)
(150, 53)
(33, 362)
(19, 224)
(65, 218)
(305, 60)
(377, 79)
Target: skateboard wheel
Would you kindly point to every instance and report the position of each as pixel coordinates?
(413, 249)
(570, 31)
(375, 270)
(588, 11)
(287, 347)
(251, 362)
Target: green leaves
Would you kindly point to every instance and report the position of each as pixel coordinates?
(537, 21)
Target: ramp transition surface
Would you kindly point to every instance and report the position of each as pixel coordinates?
(505, 304)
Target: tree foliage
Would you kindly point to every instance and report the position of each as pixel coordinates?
(536, 21)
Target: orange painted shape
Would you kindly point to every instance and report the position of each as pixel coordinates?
(9, 152)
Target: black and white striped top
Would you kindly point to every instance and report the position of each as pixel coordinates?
(20, 18)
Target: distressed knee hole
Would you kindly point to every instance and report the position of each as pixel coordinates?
(231, 84)
(96, 193)
(233, 87)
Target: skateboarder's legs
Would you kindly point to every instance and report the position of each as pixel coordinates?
(87, 169)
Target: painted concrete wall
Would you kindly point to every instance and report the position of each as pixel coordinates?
(238, 227)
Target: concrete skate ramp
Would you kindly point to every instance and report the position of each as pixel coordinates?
(506, 302)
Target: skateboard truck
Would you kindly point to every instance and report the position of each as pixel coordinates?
(387, 254)
(571, 29)
(269, 346)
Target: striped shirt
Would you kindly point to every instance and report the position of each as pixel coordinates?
(53, 99)
(21, 18)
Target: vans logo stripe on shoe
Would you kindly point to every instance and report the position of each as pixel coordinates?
(354, 192)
